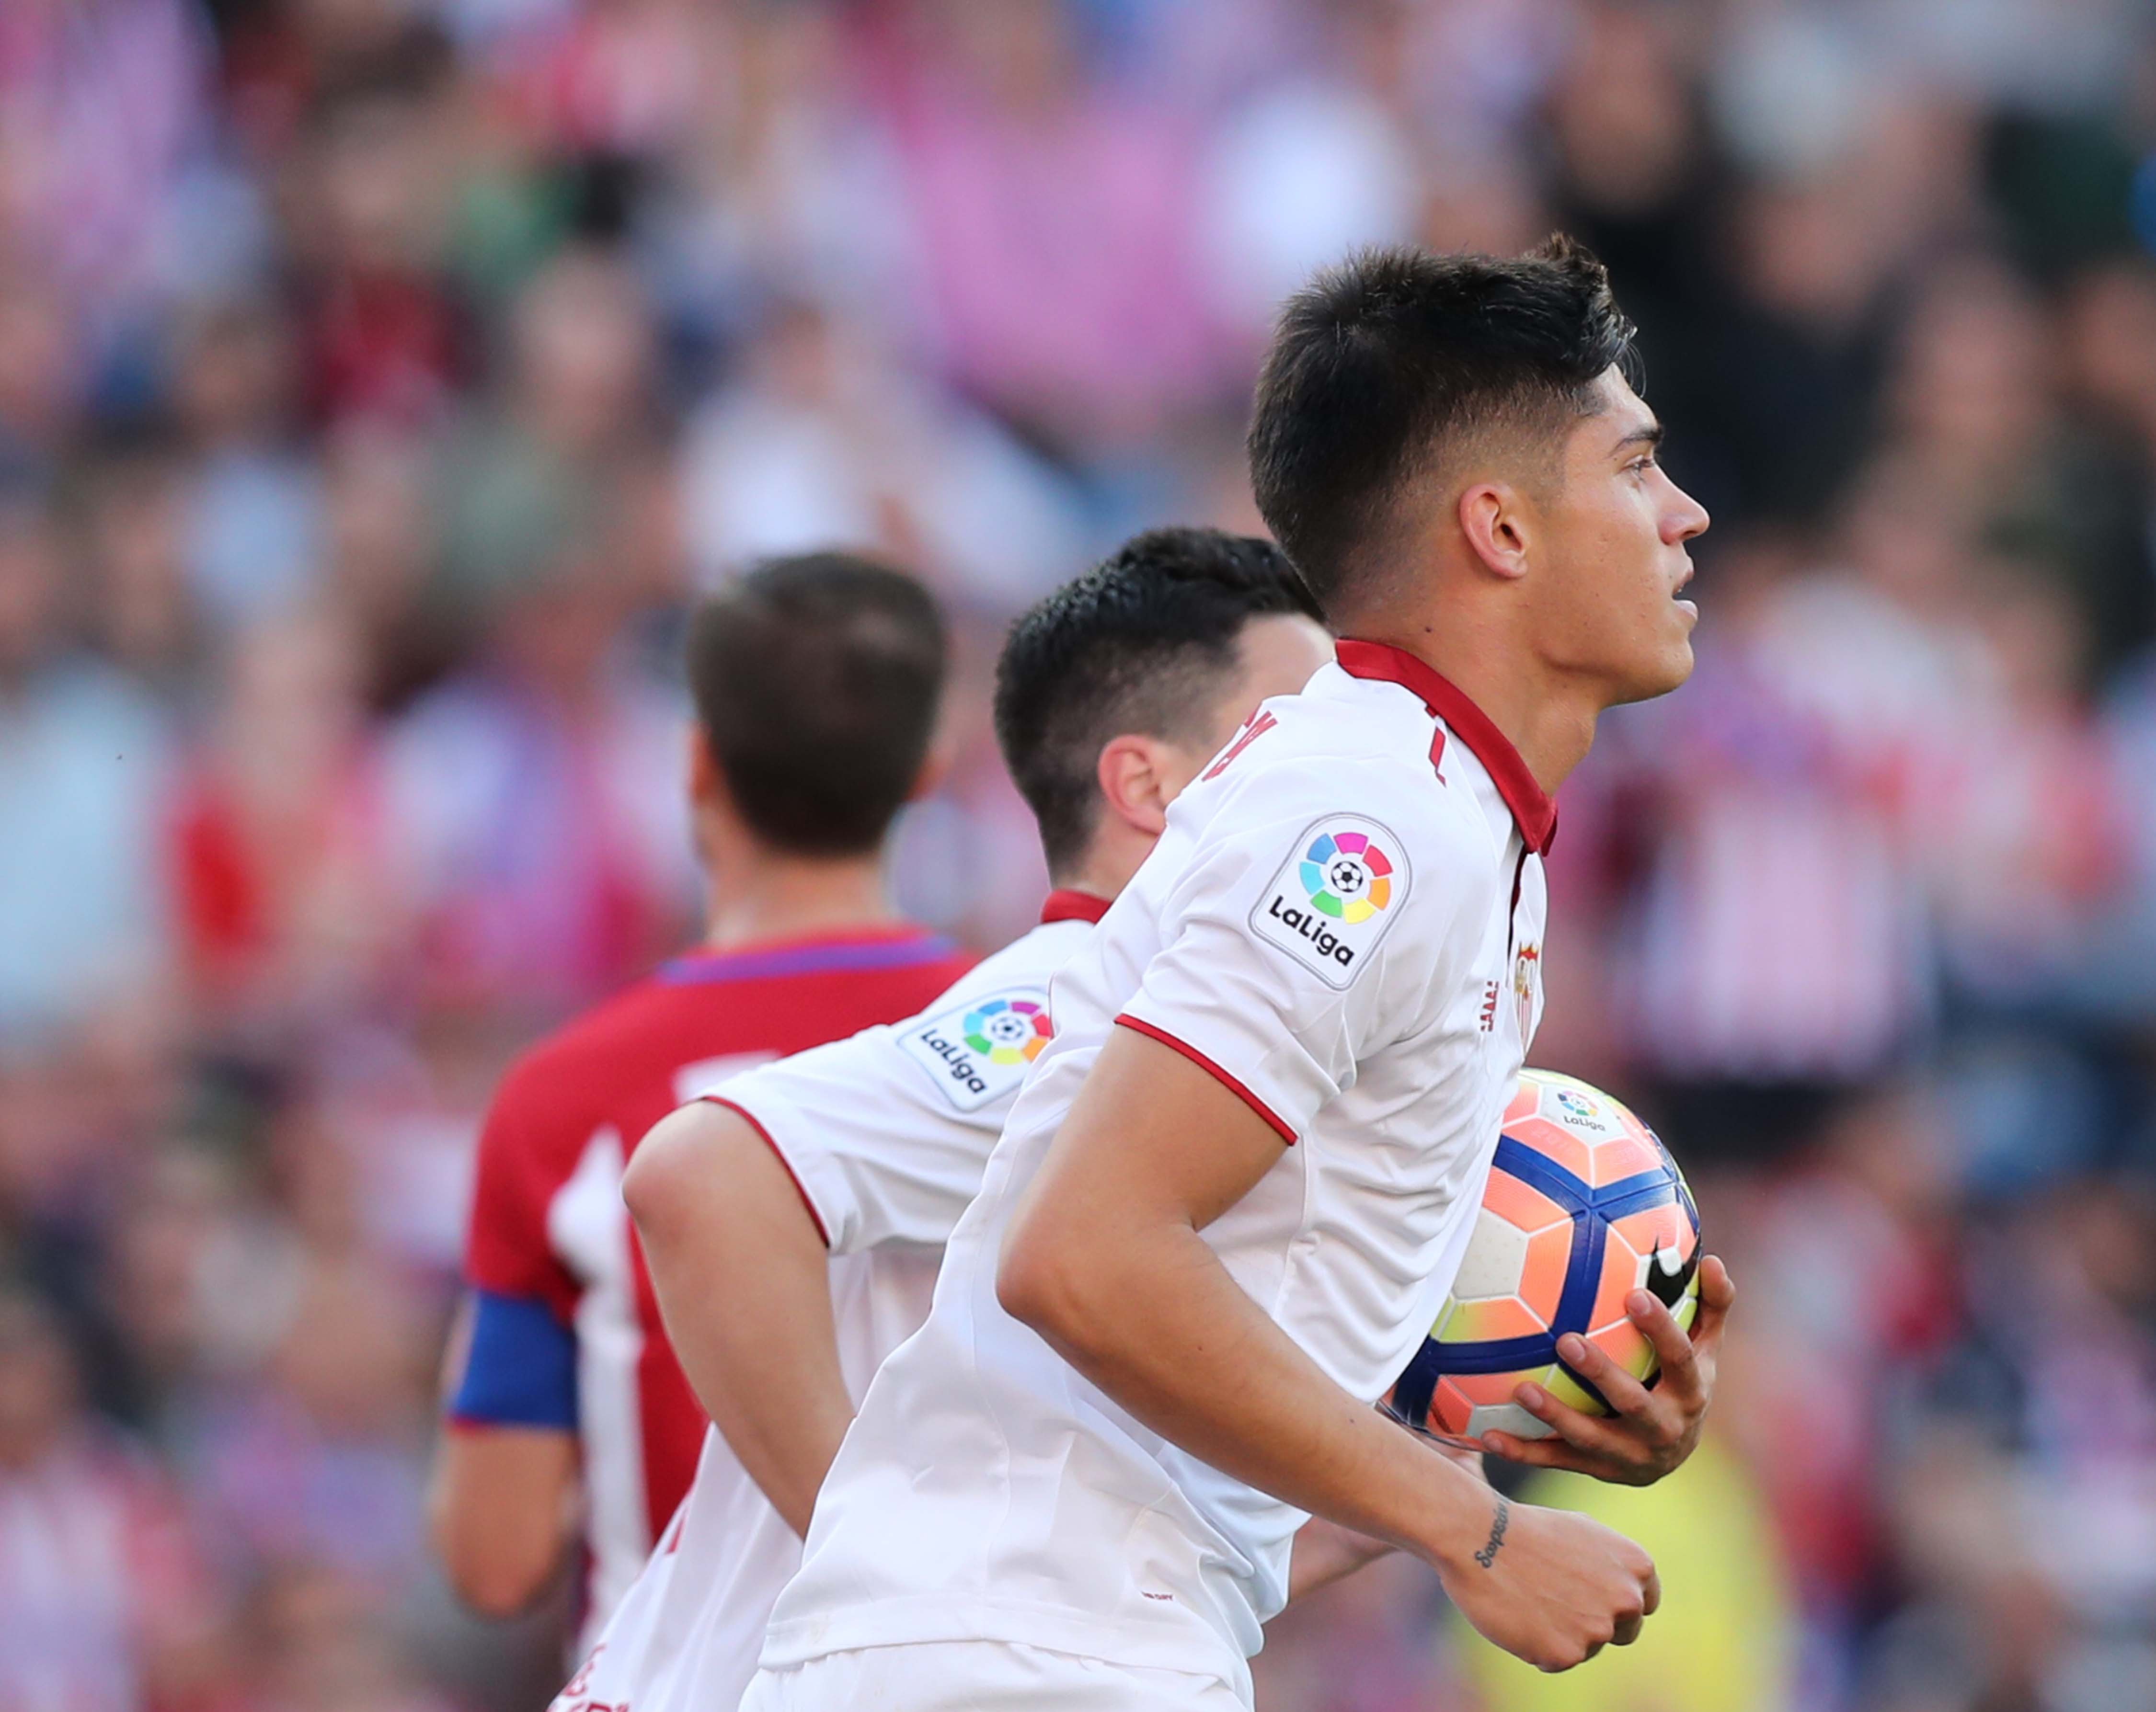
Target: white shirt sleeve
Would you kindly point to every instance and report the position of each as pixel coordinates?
(887, 1132)
(1313, 925)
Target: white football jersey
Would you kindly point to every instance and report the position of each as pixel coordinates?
(1343, 924)
(886, 1133)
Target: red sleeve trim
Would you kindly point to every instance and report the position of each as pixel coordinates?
(778, 1153)
(1280, 1126)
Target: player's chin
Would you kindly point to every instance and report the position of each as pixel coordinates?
(1659, 670)
(1676, 655)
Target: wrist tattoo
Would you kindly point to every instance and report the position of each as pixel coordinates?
(1488, 1554)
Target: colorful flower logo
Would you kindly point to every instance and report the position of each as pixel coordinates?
(1008, 1031)
(1347, 877)
(1578, 1105)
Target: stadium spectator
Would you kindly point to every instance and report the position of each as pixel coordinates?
(104, 1603)
(84, 790)
(254, 495)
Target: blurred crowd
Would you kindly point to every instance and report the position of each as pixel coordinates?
(379, 378)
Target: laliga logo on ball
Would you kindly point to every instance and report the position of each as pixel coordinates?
(1345, 877)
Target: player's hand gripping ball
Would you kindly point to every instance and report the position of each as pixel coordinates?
(1583, 1206)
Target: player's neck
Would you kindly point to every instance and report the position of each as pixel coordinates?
(792, 897)
(1116, 853)
(1548, 718)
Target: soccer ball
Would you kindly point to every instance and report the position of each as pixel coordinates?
(1583, 1206)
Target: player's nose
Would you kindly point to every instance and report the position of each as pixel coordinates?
(1684, 518)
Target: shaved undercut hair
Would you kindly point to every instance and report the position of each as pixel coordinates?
(1386, 367)
(1143, 644)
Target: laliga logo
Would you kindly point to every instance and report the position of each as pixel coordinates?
(979, 1051)
(1008, 1031)
(1346, 877)
(1347, 880)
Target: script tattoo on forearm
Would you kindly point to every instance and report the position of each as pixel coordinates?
(1488, 1554)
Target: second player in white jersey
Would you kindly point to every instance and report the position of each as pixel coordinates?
(885, 1133)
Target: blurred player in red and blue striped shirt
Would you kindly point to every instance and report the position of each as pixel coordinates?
(816, 681)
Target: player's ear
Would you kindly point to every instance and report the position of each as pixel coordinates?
(1494, 517)
(1135, 778)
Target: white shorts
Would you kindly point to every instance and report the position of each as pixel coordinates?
(981, 1676)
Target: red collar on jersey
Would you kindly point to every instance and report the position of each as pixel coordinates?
(1072, 906)
(1533, 811)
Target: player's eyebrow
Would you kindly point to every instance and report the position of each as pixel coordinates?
(1649, 434)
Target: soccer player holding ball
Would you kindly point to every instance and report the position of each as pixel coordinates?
(1230, 1198)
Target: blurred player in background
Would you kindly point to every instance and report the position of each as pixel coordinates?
(816, 681)
(792, 1223)
(1230, 1197)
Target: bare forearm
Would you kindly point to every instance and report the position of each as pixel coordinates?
(1325, 1552)
(1103, 1258)
(1200, 1363)
(743, 1285)
(500, 1509)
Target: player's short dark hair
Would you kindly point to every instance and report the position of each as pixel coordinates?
(816, 679)
(1140, 644)
(1380, 363)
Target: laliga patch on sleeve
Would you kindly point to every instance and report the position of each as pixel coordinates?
(1340, 889)
(980, 1051)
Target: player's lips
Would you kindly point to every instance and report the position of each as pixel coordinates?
(1690, 606)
